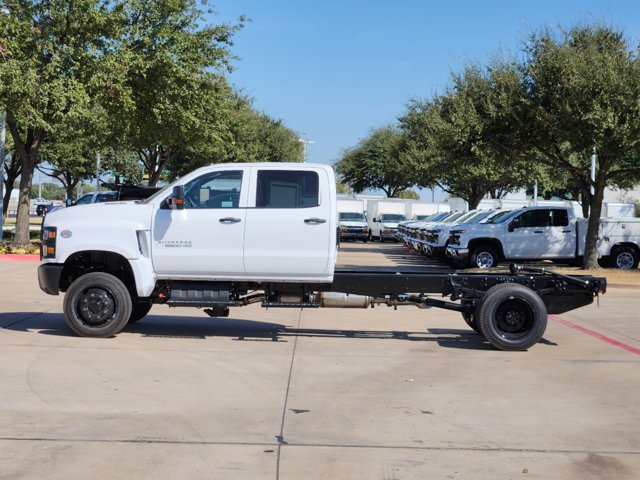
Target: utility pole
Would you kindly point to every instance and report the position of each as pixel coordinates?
(305, 142)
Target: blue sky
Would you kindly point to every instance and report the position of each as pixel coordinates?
(333, 70)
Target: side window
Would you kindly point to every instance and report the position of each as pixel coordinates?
(536, 218)
(214, 190)
(560, 218)
(287, 189)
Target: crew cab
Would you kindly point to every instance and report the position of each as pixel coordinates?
(541, 233)
(208, 241)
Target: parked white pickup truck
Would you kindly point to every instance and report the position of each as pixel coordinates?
(208, 241)
(543, 233)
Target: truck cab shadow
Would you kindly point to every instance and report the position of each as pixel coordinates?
(161, 326)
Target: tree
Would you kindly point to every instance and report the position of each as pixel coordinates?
(408, 195)
(457, 136)
(175, 79)
(51, 53)
(583, 85)
(379, 162)
(248, 136)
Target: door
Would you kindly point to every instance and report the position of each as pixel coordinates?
(205, 239)
(289, 229)
(540, 233)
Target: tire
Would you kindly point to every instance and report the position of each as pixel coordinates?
(484, 257)
(97, 305)
(624, 258)
(470, 319)
(512, 317)
(139, 310)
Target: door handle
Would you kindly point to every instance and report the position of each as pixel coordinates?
(229, 220)
(314, 220)
(566, 231)
(538, 231)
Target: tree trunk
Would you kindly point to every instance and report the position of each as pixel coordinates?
(590, 253)
(28, 152)
(13, 172)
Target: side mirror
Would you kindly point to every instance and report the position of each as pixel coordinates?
(515, 223)
(376, 220)
(69, 202)
(176, 202)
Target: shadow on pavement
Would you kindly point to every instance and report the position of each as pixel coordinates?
(161, 326)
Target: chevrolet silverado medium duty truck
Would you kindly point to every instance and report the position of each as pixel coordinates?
(352, 222)
(543, 233)
(208, 241)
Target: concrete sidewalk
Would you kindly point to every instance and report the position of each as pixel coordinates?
(314, 394)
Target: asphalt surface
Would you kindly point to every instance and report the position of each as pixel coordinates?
(315, 394)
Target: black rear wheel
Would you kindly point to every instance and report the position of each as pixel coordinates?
(139, 310)
(512, 317)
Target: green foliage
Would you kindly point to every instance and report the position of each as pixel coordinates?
(379, 161)
(50, 191)
(457, 136)
(408, 195)
(249, 136)
(583, 88)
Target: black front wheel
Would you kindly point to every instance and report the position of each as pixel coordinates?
(512, 317)
(97, 305)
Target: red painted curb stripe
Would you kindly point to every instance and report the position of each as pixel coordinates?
(597, 335)
(19, 257)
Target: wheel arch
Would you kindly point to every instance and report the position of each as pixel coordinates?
(488, 241)
(87, 261)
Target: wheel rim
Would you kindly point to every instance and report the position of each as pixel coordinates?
(513, 319)
(484, 260)
(624, 260)
(96, 306)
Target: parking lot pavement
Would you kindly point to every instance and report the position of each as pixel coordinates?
(285, 394)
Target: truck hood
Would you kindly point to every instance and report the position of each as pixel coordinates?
(485, 228)
(352, 224)
(110, 227)
(100, 215)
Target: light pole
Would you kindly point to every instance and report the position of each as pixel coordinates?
(305, 142)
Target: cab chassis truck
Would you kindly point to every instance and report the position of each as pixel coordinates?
(115, 260)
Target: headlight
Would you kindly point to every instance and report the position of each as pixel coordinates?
(48, 247)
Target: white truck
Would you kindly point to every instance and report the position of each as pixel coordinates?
(352, 222)
(543, 233)
(422, 210)
(383, 217)
(208, 241)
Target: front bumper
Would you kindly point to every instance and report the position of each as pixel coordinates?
(434, 251)
(457, 255)
(49, 278)
(354, 235)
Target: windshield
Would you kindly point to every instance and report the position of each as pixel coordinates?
(351, 217)
(392, 217)
(497, 216)
(478, 217)
(507, 217)
(453, 217)
(85, 199)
